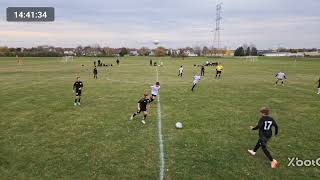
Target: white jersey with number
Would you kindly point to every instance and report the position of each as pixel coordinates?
(155, 89)
(181, 70)
(196, 79)
(280, 75)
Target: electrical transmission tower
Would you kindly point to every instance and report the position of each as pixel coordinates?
(218, 28)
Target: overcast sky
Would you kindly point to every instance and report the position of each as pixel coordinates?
(175, 23)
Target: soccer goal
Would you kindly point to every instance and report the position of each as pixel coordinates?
(67, 59)
(251, 58)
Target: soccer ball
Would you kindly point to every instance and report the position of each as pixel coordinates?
(178, 125)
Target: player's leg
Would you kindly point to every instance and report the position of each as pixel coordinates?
(79, 98)
(145, 114)
(219, 74)
(134, 114)
(282, 82)
(216, 74)
(194, 85)
(318, 90)
(76, 99)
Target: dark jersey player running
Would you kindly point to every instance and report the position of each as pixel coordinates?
(95, 73)
(77, 89)
(142, 107)
(264, 126)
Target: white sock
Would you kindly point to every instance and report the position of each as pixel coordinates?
(318, 90)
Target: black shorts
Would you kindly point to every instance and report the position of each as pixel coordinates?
(219, 72)
(263, 140)
(142, 110)
(78, 93)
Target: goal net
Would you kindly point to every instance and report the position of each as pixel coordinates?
(67, 58)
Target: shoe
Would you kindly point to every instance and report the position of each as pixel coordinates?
(131, 117)
(143, 122)
(252, 152)
(274, 164)
(78, 104)
(75, 104)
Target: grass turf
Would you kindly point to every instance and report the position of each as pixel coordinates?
(43, 136)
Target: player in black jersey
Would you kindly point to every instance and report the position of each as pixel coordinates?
(77, 89)
(318, 82)
(265, 125)
(95, 73)
(142, 107)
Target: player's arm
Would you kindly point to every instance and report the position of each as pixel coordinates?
(257, 126)
(275, 127)
(138, 106)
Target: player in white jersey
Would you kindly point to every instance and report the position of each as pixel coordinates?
(196, 79)
(154, 91)
(280, 77)
(180, 74)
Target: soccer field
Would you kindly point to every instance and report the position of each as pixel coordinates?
(43, 136)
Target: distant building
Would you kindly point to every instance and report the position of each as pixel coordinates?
(283, 54)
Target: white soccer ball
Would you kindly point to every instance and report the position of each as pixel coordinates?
(178, 125)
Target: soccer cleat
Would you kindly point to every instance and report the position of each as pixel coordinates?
(143, 122)
(252, 152)
(75, 104)
(78, 104)
(274, 164)
(131, 117)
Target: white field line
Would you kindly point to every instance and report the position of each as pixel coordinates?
(161, 155)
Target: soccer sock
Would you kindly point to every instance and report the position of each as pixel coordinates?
(193, 87)
(267, 153)
(134, 114)
(319, 90)
(75, 100)
(79, 100)
(144, 117)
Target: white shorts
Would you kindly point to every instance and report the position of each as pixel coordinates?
(195, 82)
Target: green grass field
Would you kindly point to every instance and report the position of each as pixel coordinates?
(43, 136)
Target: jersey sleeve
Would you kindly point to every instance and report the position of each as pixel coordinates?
(258, 125)
(275, 127)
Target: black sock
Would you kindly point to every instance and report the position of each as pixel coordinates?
(193, 87)
(134, 114)
(144, 117)
(79, 100)
(75, 100)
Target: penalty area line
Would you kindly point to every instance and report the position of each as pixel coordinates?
(161, 153)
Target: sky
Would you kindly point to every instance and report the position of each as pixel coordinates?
(267, 24)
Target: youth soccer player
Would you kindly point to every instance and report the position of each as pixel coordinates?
(280, 77)
(154, 91)
(142, 107)
(95, 73)
(180, 74)
(196, 79)
(219, 70)
(77, 89)
(264, 126)
(318, 86)
(202, 70)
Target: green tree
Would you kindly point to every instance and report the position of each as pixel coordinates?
(123, 52)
